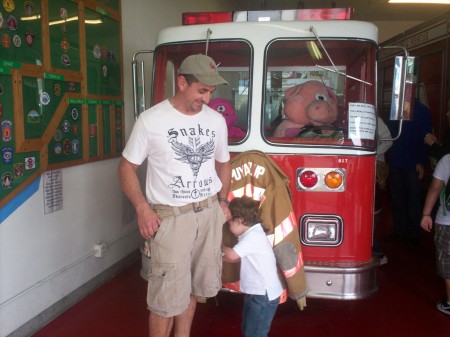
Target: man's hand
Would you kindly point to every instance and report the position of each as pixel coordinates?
(148, 221)
(226, 210)
(420, 171)
(301, 302)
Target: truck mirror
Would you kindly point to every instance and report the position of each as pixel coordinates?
(403, 88)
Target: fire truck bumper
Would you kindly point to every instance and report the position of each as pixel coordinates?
(342, 281)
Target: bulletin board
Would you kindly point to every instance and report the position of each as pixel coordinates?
(61, 91)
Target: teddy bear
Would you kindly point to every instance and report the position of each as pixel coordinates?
(224, 107)
(309, 103)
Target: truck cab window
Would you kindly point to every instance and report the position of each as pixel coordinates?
(309, 100)
(234, 60)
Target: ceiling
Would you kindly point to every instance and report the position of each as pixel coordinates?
(365, 10)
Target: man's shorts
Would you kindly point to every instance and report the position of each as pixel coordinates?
(185, 258)
(442, 242)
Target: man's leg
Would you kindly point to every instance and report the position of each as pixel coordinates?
(398, 202)
(183, 322)
(447, 287)
(160, 326)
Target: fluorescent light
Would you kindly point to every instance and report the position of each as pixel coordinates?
(441, 2)
(73, 18)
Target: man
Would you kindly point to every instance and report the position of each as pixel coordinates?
(187, 184)
(408, 158)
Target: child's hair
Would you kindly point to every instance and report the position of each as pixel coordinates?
(246, 209)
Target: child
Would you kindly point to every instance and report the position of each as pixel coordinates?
(259, 277)
(441, 176)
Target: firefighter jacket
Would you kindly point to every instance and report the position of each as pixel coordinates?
(257, 176)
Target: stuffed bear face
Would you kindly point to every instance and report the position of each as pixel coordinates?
(224, 107)
(310, 103)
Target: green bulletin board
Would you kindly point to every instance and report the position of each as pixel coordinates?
(61, 94)
(64, 34)
(103, 55)
(21, 32)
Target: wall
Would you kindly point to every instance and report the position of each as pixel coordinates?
(388, 29)
(46, 258)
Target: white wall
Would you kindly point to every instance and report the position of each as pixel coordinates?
(44, 258)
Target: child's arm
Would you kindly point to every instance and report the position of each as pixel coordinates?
(230, 255)
(433, 193)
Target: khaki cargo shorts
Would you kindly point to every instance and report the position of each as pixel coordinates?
(185, 257)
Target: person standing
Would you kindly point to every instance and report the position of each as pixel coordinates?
(185, 203)
(259, 277)
(438, 187)
(408, 158)
(438, 150)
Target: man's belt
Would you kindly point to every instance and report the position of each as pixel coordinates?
(167, 211)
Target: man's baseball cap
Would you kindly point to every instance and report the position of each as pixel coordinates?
(203, 68)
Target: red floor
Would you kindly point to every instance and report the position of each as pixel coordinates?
(405, 305)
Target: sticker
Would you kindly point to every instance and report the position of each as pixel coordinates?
(105, 70)
(67, 146)
(65, 44)
(104, 53)
(18, 170)
(33, 117)
(9, 5)
(75, 146)
(7, 155)
(63, 13)
(66, 126)
(57, 89)
(57, 149)
(92, 130)
(97, 51)
(6, 40)
(45, 98)
(74, 113)
(111, 55)
(7, 180)
(57, 135)
(29, 38)
(30, 163)
(72, 86)
(6, 131)
(65, 60)
(17, 41)
(29, 8)
(11, 23)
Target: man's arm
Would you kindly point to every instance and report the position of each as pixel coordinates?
(224, 173)
(147, 219)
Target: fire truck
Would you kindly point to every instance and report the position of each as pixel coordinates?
(331, 168)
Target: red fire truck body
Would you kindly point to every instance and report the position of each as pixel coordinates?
(331, 168)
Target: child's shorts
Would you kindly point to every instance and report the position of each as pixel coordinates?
(442, 242)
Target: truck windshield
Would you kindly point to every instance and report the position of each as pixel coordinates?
(320, 94)
(234, 60)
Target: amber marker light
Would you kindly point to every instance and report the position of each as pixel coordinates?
(334, 179)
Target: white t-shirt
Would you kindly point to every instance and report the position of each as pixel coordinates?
(258, 264)
(442, 172)
(181, 152)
